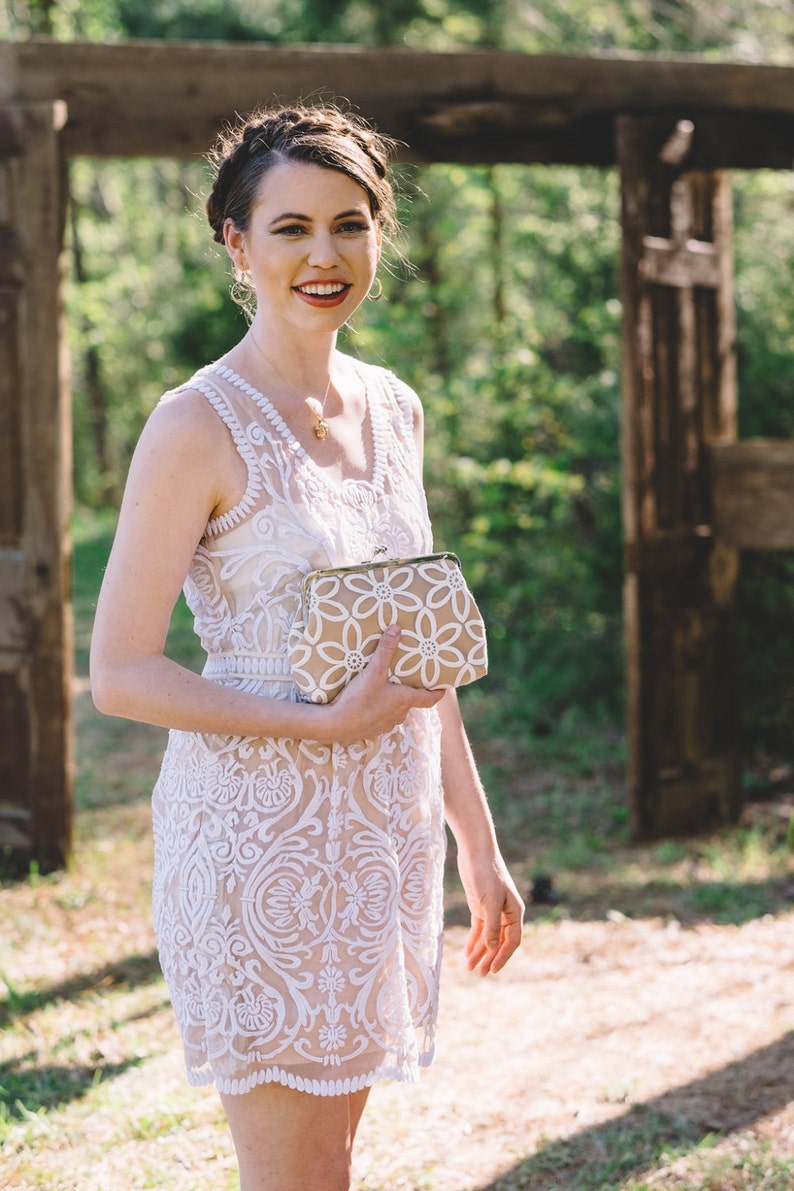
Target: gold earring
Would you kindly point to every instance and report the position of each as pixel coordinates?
(242, 291)
(379, 294)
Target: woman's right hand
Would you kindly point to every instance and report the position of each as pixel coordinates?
(370, 704)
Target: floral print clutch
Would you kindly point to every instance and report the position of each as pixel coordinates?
(346, 609)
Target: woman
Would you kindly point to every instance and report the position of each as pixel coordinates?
(298, 847)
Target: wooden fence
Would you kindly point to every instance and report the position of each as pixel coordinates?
(692, 495)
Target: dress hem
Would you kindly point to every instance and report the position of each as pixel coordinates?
(317, 1087)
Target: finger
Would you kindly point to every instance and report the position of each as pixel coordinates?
(511, 940)
(484, 941)
(379, 663)
(475, 949)
(489, 947)
(511, 931)
(428, 698)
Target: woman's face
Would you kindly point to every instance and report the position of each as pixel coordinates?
(311, 247)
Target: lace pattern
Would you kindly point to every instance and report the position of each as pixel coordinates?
(298, 887)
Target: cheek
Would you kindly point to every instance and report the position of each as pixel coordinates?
(373, 253)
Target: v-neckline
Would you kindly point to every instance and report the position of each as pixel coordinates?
(373, 416)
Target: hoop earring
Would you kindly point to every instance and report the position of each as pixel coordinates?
(242, 292)
(376, 297)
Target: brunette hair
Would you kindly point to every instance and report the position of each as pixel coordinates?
(323, 135)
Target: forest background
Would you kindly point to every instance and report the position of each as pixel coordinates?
(506, 320)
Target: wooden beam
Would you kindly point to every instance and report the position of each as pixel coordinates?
(168, 99)
(35, 588)
(678, 388)
(753, 494)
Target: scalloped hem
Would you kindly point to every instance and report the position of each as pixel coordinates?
(198, 1078)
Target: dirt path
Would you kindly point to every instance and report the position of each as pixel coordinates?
(590, 1020)
(608, 1054)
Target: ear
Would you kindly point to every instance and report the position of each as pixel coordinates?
(234, 241)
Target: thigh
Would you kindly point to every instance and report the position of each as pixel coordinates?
(289, 1141)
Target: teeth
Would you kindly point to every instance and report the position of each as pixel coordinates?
(321, 289)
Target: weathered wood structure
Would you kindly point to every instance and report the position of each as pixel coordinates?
(692, 495)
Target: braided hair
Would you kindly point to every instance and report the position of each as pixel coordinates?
(323, 136)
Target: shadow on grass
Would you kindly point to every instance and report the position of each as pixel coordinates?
(132, 971)
(724, 903)
(675, 1123)
(28, 1090)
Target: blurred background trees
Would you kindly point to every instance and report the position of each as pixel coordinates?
(507, 323)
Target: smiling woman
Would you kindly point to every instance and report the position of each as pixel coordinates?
(299, 847)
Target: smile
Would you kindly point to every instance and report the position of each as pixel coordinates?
(323, 289)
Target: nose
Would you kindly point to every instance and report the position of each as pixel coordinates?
(322, 250)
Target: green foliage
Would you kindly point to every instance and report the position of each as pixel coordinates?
(146, 302)
(764, 251)
(516, 358)
(752, 31)
(508, 327)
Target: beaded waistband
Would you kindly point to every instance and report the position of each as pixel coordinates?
(273, 665)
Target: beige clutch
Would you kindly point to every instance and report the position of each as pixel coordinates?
(345, 610)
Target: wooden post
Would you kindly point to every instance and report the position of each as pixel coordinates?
(35, 491)
(679, 400)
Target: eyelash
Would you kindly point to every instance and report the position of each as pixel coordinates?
(290, 229)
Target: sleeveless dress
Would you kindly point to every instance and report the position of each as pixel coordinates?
(297, 890)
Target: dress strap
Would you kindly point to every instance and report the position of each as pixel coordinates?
(400, 392)
(215, 395)
(404, 397)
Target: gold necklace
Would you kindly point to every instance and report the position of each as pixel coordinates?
(321, 428)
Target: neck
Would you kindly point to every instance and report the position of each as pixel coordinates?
(304, 365)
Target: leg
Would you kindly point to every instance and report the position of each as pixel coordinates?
(293, 1141)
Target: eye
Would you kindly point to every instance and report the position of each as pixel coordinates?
(290, 229)
(353, 227)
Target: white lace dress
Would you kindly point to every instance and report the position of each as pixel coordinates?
(297, 886)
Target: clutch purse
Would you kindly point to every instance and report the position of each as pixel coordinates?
(345, 610)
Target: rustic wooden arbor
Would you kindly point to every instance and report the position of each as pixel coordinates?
(692, 495)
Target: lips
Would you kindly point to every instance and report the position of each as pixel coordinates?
(323, 293)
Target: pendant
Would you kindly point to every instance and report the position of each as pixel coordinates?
(321, 429)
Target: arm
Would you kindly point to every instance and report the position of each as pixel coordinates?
(496, 908)
(497, 911)
(185, 470)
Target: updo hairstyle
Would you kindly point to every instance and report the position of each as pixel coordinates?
(324, 136)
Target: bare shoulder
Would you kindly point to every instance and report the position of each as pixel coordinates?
(185, 417)
(186, 454)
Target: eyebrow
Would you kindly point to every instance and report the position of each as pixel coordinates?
(358, 211)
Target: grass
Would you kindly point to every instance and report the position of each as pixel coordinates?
(674, 1154)
(92, 1090)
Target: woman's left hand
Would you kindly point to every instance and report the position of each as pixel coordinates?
(497, 913)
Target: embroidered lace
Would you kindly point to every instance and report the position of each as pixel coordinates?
(297, 888)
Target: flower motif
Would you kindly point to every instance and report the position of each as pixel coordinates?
(357, 493)
(331, 980)
(333, 1036)
(381, 592)
(274, 786)
(291, 903)
(346, 655)
(255, 1011)
(366, 897)
(430, 650)
(223, 779)
(202, 1004)
(334, 824)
